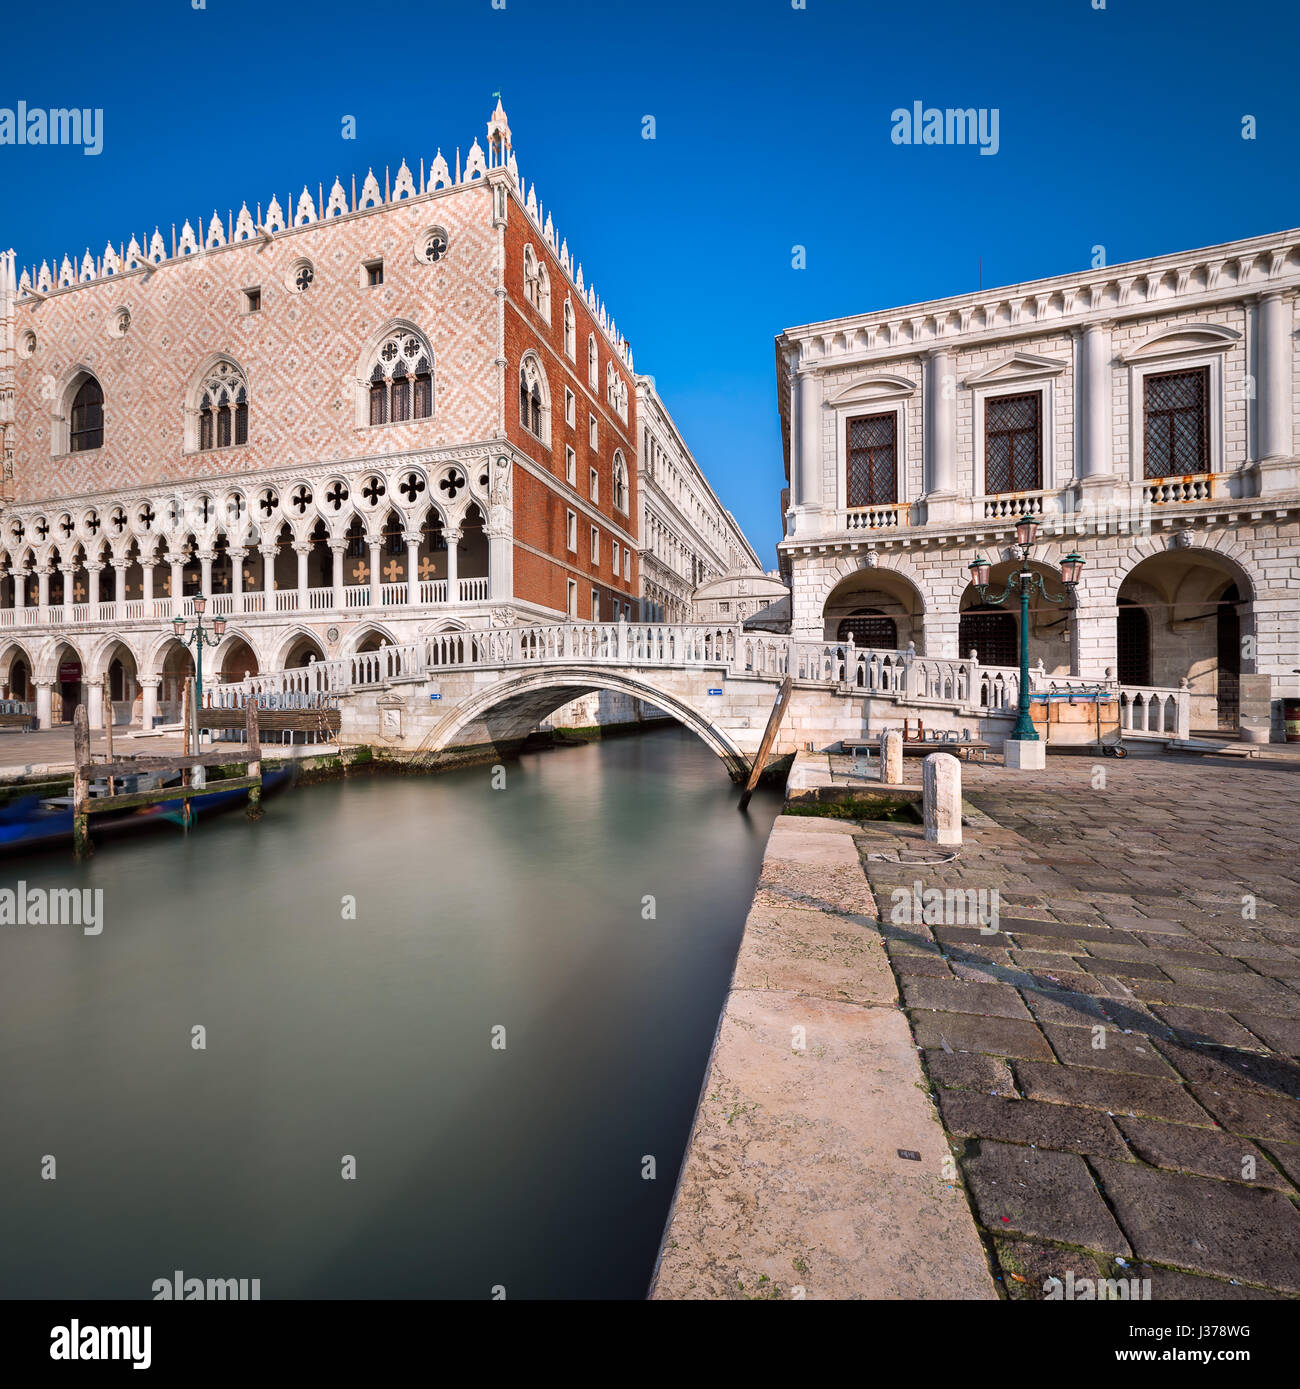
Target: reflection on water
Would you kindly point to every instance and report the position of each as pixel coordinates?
(326, 1037)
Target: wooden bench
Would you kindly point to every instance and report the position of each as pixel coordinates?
(922, 747)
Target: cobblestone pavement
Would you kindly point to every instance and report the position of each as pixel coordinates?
(1117, 1067)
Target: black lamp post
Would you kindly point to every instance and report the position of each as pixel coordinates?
(1026, 580)
(198, 639)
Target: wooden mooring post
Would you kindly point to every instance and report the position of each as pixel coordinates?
(254, 755)
(769, 736)
(81, 845)
(187, 746)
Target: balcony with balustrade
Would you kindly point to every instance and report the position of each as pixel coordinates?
(343, 600)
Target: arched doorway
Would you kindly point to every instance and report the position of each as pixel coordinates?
(237, 661)
(177, 667)
(305, 651)
(123, 684)
(1196, 614)
(68, 677)
(877, 602)
(869, 627)
(16, 680)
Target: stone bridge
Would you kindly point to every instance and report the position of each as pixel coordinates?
(453, 693)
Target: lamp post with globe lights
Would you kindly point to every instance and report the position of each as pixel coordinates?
(1025, 581)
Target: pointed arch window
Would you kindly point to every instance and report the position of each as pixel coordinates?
(86, 422)
(400, 381)
(223, 408)
(534, 410)
(570, 335)
(537, 284)
(620, 483)
(593, 363)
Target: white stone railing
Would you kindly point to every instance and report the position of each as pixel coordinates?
(1146, 711)
(1010, 506)
(1197, 487)
(964, 686)
(431, 593)
(888, 516)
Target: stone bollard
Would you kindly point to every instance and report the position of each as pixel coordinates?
(942, 783)
(891, 757)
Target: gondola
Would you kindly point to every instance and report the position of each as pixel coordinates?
(46, 821)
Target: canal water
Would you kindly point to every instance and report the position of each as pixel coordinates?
(587, 914)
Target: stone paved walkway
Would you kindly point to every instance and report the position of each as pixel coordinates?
(1117, 1067)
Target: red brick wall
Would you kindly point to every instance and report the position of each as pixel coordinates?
(541, 505)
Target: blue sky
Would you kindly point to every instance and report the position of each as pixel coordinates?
(1118, 127)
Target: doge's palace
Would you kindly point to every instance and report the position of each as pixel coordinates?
(347, 416)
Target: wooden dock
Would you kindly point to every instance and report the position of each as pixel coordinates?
(191, 764)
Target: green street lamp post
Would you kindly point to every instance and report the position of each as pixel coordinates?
(1026, 580)
(198, 639)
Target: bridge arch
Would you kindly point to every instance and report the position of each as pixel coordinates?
(510, 709)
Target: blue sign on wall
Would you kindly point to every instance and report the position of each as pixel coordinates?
(717, 692)
(435, 696)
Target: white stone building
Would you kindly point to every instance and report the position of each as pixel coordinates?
(1144, 413)
(687, 536)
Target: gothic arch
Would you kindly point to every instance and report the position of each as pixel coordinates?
(369, 360)
(74, 378)
(520, 704)
(217, 371)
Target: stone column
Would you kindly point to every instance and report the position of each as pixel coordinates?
(205, 573)
(68, 571)
(302, 551)
(809, 471)
(1277, 468)
(412, 574)
(95, 703)
(146, 584)
(337, 549)
(237, 580)
(120, 567)
(178, 586)
(453, 566)
(149, 700)
(501, 565)
(20, 589)
(43, 691)
(1094, 470)
(268, 575)
(940, 435)
(43, 594)
(376, 578)
(92, 576)
(941, 781)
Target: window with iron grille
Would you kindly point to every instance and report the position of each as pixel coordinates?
(1013, 455)
(1132, 644)
(1177, 434)
(869, 627)
(993, 636)
(872, 453)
